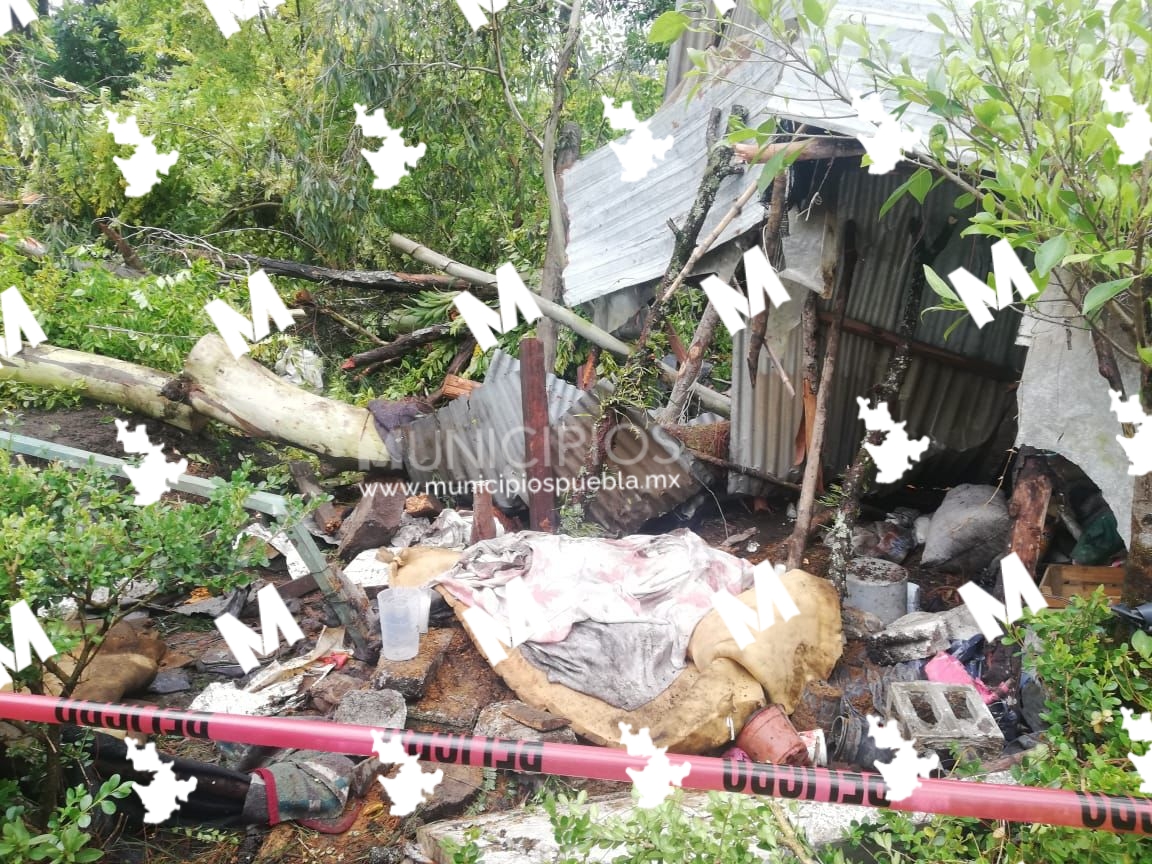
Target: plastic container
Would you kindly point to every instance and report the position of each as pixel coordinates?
(817, 747)
(769, 736)
(879, 587)
(400, 613)
(425, 608)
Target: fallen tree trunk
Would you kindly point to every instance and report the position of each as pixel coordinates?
(375, 280)
(238, 393)
(244, 395)
(398, 347)
(102, 379)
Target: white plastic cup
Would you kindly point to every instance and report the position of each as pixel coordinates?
(400, 610)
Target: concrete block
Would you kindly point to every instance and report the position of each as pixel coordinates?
(943, 716)
(960, 624)
(384, 709)
(915, 636)
(411, 677)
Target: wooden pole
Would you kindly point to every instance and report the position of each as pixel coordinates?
(327, 517)
(542, 515)
(483, 516)
(799, 537)
(710, 399)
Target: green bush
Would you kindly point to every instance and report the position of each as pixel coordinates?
(70, 540)
(65, 841)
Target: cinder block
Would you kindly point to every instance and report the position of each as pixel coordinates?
(942, 716)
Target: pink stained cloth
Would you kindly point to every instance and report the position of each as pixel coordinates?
(638, 579)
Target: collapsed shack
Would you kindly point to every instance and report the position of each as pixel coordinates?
(624, 631)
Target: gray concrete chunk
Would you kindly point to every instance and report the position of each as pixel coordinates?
(384, 709)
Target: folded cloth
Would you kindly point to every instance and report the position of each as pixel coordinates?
(659, 585)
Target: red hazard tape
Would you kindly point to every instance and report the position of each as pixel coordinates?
(1119, 814)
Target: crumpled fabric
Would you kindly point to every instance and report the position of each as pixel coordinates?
(661, 586)
(309, 784)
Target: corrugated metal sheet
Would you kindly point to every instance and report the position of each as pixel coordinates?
(481, 437)
(959, 409)
(602, 209)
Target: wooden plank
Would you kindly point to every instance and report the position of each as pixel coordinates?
(327, 516)
(931, 352)
(261, 502)
(1064, 581)
(537, 432)
(483, 520)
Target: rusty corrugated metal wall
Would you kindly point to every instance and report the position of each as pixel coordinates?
(481, 436)
(960, 410)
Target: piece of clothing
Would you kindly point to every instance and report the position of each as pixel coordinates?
(660, 586)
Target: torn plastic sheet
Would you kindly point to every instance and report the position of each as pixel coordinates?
(450, 530)
(280, 542)
(332, 639)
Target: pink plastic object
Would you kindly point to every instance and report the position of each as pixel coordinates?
(946, 669)
(736, 755)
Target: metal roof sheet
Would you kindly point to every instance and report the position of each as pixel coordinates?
(480, 437)
(619, 234)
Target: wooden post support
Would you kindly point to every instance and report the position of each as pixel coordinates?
(537, 435)
(1028, 509)
(483, 516)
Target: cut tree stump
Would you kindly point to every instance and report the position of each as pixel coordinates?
(455, 386)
